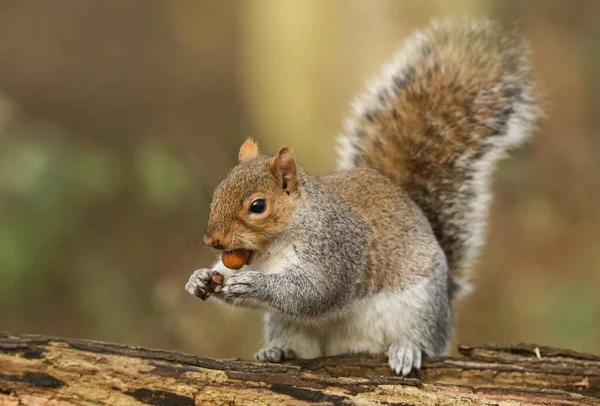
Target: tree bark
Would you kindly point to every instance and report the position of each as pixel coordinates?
(38, 369)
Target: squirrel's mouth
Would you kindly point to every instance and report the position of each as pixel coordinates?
(251, 255)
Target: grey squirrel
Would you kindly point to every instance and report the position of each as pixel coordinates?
(368, 259)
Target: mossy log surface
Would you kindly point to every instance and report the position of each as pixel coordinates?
(47, 370)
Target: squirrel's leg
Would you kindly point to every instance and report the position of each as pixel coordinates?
(404, 324)
(286, 339)
(424, 323)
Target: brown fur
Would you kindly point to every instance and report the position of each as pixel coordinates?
(230, 221)
(447, 111)
(398, 228)
(248, 150)
(283, 166)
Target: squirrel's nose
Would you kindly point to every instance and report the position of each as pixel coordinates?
(212, 242)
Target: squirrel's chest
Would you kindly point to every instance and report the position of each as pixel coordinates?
(277, 258)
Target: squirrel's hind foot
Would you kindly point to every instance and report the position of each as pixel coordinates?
(275, 354)
(404, 358)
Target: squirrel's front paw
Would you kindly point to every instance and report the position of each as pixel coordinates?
(404, 357)
(275, 354)
(203, 282)
(243, 285)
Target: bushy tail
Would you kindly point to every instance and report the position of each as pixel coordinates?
(453, 100)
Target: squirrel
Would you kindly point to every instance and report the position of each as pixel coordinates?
(369, 258)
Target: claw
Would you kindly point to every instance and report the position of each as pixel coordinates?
(417, 361)
(408, 362)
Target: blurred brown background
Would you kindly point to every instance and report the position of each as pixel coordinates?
(118, 118)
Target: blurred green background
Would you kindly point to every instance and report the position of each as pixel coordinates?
(118, 118)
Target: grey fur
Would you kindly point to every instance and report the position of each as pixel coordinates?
(338, 251)
(330, 258)
(372, 255)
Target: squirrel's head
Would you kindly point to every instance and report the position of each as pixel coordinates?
(255, 202)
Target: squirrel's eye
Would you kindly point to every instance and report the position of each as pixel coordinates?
(258, 206)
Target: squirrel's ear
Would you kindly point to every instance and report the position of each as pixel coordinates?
(283, 166)
(248, 150)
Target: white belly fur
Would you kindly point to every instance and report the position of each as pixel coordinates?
(368, 326)
(372, 324)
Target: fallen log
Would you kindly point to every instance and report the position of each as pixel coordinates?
(38, 369)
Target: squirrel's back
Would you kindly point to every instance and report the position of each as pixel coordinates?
(452, 101)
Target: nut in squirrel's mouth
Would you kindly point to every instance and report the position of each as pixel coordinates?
(236, 259)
